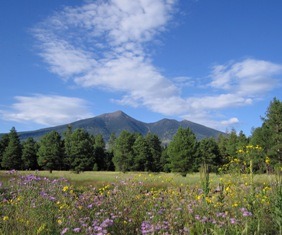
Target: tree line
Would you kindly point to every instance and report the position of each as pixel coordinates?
(77, 150)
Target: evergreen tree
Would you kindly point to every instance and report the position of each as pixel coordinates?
(29, 154)
(209, 153)
(232, 144)
(182, 151)
(155, 149)
(123, 151)
(142, 156)
(100, 152)
(222, 143)
(164, 160)
(261, 136)
(12, 154)
(110, 152)
(242, 140)
(67, 146)
(4, 141)
(81, 151)
(50, 152)
(273, 122)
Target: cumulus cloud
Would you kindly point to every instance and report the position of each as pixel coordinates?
(104, 44)
(230, 121)
(249, 77)
(47, 110)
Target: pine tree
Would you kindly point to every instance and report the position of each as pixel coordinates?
(100, 152)
(50, 152)
(123, 151)
(4, 141)
(12, 153)
(67, 146)
(209, 153)
(29, 154)
(273, 122)
(142, 156)
(155, 149)
(81, 151)
(182, 151)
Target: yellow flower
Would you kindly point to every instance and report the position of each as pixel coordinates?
(235, 205)
(227, 189)
(267, 160)
(208, 200)
(5, 218)
(199, 197)
(65, 188)
(41, 228)
(59, 221)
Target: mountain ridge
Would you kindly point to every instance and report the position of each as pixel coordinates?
(115, 122)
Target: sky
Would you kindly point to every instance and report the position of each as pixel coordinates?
(217, 63)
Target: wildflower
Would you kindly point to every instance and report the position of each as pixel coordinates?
(235, 204)
(65, 188)
(245, 212)
(5, 218)
(76, 230)
(232, 220)
(59, 221)
(267, 160)
(64, 231)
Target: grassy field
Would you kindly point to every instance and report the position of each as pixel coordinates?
(139, 203)
(101, 178)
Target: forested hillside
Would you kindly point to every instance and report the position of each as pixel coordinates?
(78, 150)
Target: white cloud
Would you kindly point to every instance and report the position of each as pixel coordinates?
(249, 77)
(104, 44)
(230, 121)
(47, 110)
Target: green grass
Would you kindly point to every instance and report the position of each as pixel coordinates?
(101, 178)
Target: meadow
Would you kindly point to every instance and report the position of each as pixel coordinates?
(37, 202)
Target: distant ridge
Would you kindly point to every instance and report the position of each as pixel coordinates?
(116, 122)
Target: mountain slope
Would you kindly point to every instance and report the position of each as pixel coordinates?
(116, 122)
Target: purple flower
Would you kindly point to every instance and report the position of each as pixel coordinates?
(76, 230)
(233, 221)
(146, 227)
(245, 212)
(106, 223)
(64, 231)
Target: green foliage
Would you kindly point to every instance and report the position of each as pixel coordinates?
(155, 152)
(269, 135)
(182, 151)
(81, 151)
(100, 155)
(67, 146)
(209, 154)
(4, 141)
(273, 122)
(12, 154)
(50, 152)
(142, 156)
(29, 154)
(123, 151)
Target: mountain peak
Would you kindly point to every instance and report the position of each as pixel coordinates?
(115, 114)
(117, 121)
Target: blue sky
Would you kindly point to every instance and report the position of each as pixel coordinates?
(216, 63)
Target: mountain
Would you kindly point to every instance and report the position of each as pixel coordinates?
(115, 122)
